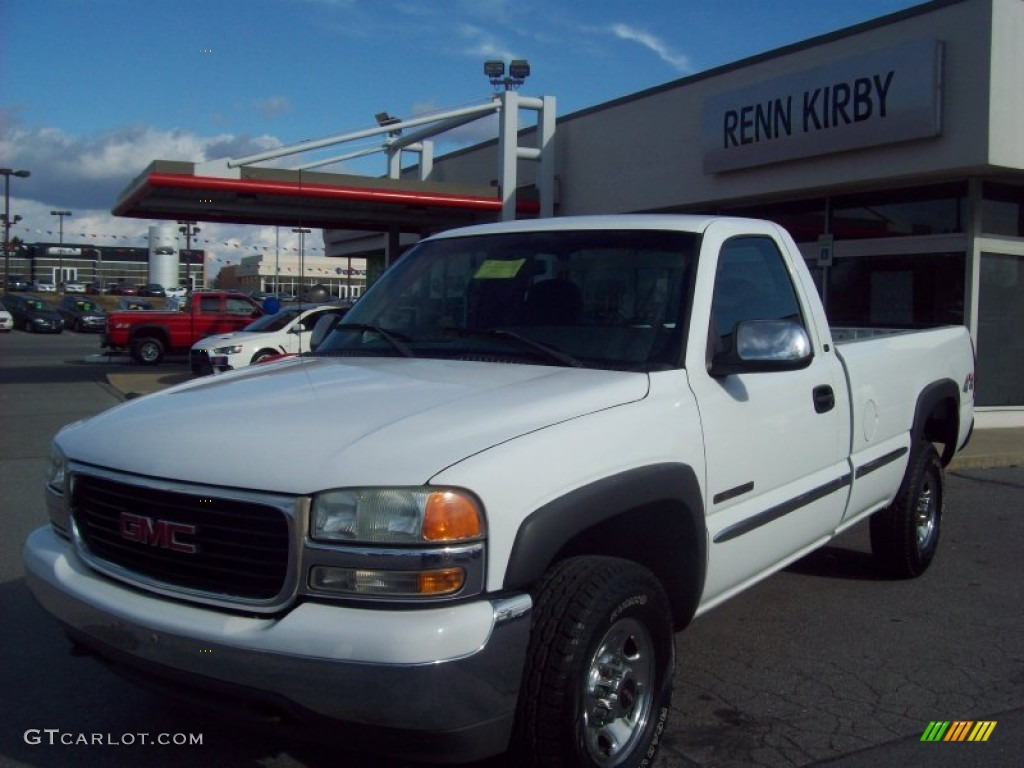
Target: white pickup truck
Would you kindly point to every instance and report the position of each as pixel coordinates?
(473, 520)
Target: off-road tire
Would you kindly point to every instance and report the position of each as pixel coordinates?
(597, 682)
(905, 535)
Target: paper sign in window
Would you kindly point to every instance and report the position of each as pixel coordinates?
(494, 269)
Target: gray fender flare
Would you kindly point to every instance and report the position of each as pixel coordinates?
(653, 514)
(930, 396)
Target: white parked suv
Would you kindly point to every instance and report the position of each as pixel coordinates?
(285, 333)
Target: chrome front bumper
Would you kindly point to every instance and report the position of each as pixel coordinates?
(446, 677)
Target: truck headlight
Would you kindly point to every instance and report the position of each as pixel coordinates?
(232, 350)
(57, 497)
(396, 516)
(56, 471)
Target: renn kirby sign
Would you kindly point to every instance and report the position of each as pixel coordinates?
(879, 98)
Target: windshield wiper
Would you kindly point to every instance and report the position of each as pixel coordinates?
(552, 353)
(394, 338)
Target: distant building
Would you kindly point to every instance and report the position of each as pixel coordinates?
(344, 278)
(98, 264)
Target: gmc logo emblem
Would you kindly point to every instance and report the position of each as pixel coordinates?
(156, 533)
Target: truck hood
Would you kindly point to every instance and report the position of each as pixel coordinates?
(307, 424)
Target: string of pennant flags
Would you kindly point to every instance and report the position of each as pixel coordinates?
(196, 241)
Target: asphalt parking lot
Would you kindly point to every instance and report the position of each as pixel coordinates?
(824, 664)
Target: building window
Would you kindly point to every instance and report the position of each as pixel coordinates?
(1002, 210)
(937, 210)
(803, 219)
(1000, 316)
(904, 291)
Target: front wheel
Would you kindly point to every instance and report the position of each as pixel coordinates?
(598, 677)
(905, 535)
(148, 351)
(263, 354)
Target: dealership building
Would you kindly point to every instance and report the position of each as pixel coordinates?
(893, 151)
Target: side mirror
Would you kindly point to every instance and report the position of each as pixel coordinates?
(323, 327)
(762, 346)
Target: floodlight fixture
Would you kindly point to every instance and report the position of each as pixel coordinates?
(518, 71)
(384, 119)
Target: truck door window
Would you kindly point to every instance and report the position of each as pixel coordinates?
(752, 283)
(238, 306)
(209, 304)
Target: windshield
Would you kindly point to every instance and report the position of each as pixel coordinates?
(273, 322)
(614, 299)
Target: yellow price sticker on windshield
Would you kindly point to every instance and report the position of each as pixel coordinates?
(493, 269)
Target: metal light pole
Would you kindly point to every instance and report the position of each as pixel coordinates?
(60, 253)
(188, 229)
(302, 232)
(7, 173)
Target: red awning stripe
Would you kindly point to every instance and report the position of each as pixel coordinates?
(327, 191)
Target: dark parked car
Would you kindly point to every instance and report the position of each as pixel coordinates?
(152, 289)
(32, 314)
(17, 283)
(82, 314)
(123, 289)
(132, 303)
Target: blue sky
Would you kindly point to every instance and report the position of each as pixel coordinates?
(91, 91)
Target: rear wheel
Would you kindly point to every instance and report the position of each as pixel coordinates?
(148, 351)
(598, 677)
(905, 535)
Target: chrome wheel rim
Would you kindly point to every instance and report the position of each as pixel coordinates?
(925, 514)
(619, 691)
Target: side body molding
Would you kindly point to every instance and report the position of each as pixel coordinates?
(653, 515)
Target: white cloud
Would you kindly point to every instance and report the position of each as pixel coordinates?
(91, 172)
(272, 106)
(483, 43)
(676, 60)
(86, 175)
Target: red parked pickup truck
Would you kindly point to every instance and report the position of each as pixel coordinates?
(149, 335)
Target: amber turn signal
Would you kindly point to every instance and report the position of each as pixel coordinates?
(450, 516)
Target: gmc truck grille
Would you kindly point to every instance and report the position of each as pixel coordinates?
(225, 548)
